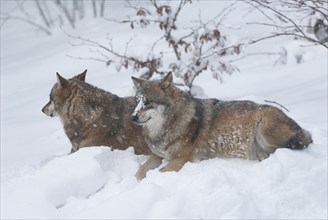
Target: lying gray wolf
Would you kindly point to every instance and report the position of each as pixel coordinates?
(94, 117)
(181, 128)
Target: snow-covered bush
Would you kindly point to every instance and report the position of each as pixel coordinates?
(189, 51)
(202, 47)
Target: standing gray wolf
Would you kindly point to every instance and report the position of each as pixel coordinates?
(181, 128)
(94, 117)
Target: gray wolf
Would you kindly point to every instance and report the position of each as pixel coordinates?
(181, 128)
(94, 117)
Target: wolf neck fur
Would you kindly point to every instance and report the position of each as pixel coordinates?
(94, 109)
(162, 140)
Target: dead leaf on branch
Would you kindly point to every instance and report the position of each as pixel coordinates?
(141, 13)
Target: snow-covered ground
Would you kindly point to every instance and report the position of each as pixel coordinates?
(39, 180)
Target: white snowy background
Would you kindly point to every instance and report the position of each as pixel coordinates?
(39, 180)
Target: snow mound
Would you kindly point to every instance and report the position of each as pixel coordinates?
(99, 183)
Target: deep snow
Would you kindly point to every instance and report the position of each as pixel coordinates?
(40, 180)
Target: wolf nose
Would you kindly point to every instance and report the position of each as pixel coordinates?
(134, 118)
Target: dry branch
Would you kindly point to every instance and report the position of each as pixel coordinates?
(294, 26)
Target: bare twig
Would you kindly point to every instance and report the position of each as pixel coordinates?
(282, 15)
(87, 58)
(69, 17)
(42, 14)
(277, 104)
(151, 64)
(260, 10)
(38, 26)
(287, 34)
(295, 29)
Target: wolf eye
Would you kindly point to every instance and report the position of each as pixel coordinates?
(147, 102)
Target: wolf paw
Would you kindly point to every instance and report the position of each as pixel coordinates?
(140, 174)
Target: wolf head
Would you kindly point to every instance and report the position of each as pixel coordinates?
(58, 92)
(153, 98)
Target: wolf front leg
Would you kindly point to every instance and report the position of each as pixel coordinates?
(75, 148)
(153, 162)
(175, 164)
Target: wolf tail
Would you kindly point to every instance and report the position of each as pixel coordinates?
(300, 140)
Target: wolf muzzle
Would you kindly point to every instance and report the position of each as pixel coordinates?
(49, 109)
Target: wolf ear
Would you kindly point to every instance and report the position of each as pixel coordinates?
(167, 80)
(138, 82)
(61, 81)
(81, 76)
